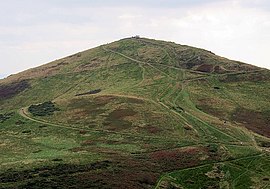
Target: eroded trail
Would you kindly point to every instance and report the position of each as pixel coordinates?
(23, 113)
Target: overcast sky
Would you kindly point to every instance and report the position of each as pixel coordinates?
(34, 32)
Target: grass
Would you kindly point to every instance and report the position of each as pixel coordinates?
(228, 174)
(155, 121)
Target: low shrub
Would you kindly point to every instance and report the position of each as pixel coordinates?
(6, 116)
(44, 109)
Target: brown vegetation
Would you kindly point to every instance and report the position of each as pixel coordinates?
(205, 68)
(12, 89)
(258, 122)
(116, 119)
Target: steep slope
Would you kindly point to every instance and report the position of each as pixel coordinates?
(136, 113)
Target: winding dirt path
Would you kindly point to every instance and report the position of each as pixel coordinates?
(24, 113)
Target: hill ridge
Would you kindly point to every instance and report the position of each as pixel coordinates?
(48, 67)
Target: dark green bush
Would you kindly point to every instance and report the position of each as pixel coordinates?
(6, 116)
(44, 109)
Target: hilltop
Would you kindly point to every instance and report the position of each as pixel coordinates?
(136, 113)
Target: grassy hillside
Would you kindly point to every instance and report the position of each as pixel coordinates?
(136, 113)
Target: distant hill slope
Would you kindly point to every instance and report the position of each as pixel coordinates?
(136, 113)
(147, 50)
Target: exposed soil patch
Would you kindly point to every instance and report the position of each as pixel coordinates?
(258, 122)
(10, 90)
(205, 68)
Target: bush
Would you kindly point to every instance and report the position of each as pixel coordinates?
(6, 116)
(44, 109)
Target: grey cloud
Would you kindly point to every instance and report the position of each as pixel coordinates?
(20, 14)
(28, 12)
(259, 4)
(121, 3)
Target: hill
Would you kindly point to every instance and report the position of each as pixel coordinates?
(136, 113)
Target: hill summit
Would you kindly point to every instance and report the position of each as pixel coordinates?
(136, 113)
